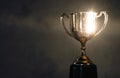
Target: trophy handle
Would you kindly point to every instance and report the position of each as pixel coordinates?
(63, 23)
(105, 21)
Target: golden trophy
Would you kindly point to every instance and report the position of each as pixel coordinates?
(83, 26)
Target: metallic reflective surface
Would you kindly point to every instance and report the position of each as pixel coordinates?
(83, 25)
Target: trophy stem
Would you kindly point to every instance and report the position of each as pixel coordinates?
(83, 49)
(83, 41)
(83, 52)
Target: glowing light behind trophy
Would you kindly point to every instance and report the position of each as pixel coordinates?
(90, 23)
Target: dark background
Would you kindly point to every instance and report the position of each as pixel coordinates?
(33, 43)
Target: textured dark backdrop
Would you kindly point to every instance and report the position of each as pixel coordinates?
(33, 44)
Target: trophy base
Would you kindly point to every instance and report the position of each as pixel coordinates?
(83, 68)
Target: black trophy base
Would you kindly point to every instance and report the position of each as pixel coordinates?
(83, 68)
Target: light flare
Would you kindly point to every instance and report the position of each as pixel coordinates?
(90, 22)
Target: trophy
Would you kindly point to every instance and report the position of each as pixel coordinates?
(83, 26)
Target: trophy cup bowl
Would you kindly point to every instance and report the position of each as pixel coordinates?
(83, 26)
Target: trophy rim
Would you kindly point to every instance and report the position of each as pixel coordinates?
(87, 12)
